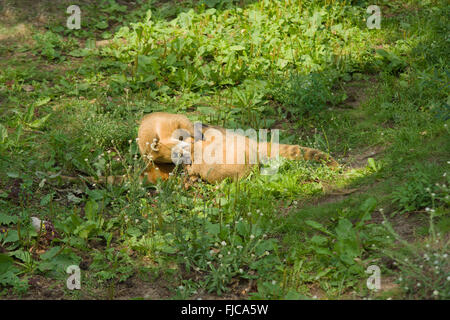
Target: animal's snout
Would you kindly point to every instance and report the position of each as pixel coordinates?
(181, 153)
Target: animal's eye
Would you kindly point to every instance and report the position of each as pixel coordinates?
(180, 138)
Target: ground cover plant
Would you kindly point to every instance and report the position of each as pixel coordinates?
(376, 99)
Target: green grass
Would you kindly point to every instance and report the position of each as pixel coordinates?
(377, 100)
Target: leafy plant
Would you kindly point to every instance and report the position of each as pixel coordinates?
(306, 95)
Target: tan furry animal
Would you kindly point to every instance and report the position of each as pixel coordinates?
(157, 135)
(216, 153)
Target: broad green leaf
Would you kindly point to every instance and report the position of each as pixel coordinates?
(6, 262)
(3, 134)
(12, 236)
(317, 226)
(22, 255)
(8, 219)
(91, 210)
(372, 164)
(319, 240)
(42, 101)
(212, 228)
(51, 253)
(237, 48)
(38, 123)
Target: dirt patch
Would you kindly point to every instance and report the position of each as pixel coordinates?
(135, 287)
(13, 189)
(405, 224)
(41, 288)
(356, 92)
(359, 160)
(239, 291)
(336, 195)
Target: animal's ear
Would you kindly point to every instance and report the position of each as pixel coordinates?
(154, 145)
(198, 132)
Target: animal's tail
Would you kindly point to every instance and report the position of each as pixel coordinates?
(296, 152)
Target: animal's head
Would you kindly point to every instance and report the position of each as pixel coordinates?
(165, 137)
(173, 149)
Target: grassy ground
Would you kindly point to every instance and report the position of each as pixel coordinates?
(376, 99)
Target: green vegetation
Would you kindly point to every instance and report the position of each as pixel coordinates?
(376, 99)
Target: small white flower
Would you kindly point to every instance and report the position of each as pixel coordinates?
(241, 271)
(435, 293)
(274, 282)
(252, 236)
(419, 284)
(223, 243)
(220, 256)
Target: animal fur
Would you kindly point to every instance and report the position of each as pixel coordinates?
(159, 133)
